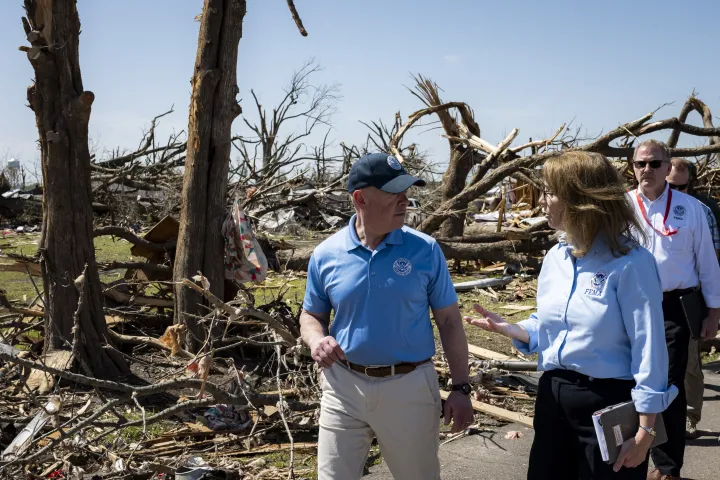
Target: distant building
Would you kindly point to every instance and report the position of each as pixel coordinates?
(13, 164)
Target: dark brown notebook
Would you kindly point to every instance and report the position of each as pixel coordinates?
(618, 423)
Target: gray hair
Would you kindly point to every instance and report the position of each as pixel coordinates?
(652, 143)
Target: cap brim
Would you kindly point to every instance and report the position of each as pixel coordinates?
(402, 183)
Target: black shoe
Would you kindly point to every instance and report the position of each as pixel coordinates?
(691, 431)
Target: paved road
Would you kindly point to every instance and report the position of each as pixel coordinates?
(702, 456)
(490, 456)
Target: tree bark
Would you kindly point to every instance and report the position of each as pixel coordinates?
(453, 182)
(505, 251)
(213, 107)
(62, 112)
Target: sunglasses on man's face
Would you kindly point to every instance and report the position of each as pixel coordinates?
(678, 187)
(653, 164)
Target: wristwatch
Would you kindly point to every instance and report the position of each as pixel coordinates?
(463, 387)
(649, 430)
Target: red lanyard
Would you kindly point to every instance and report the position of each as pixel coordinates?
(665, 232)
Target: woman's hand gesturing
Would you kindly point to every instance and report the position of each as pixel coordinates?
(492, 322)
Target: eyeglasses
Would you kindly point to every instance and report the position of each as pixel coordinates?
(546, 192)
(653, 164)
(678, 187)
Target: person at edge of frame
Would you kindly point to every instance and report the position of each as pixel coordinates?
(679, 238)
(682, 178)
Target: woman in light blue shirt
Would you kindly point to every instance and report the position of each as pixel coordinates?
(598, 329)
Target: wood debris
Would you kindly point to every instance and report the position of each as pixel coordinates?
(494, 411)
(486, 354)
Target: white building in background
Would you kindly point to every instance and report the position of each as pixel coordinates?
(13, 164)
(13, 174)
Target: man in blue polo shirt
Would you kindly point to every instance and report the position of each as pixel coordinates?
(381, 279)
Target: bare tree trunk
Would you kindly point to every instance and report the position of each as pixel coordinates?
(62, 112)
(213, 107)
(453, 182)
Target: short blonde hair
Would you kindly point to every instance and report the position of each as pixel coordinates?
(657, 144)
(595, 201)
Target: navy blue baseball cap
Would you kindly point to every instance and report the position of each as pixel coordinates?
(382, 171)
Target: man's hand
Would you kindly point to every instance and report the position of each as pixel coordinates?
(634, 451)
(326, 351)
(458, 407)
(709, 328)
(710, 324)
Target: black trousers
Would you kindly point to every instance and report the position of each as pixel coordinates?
(669, 456)
(565, 445)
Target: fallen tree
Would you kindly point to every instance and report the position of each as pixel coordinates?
(476, 166)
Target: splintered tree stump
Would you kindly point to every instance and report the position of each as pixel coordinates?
(62, 112)
(213, 107)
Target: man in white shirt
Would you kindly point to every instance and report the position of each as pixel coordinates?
(679, 238)
(680, 179)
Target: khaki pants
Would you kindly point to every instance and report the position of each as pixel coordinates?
(403, 411)
(694, 382)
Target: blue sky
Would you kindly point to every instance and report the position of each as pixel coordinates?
(526, 64)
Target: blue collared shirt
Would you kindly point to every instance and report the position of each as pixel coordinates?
(601, 315)
(381, 298)
(712, 223)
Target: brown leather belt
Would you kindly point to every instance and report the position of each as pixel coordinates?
(386, 371)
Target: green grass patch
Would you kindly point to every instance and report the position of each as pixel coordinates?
(18, 285)
(135, 433)
(113, 249)
(20, 244)
(303, 462)
(291, 287)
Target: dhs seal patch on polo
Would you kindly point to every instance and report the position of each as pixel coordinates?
(402, 266)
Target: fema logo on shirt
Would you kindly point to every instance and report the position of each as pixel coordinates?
(597, 282)
(678, 211)
(393, 162)
(402, 266)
